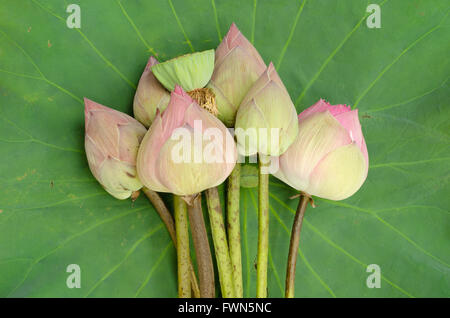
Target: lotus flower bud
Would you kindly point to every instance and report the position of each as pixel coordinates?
(237, 66)
(186, 149)
(268, 112)
(150, 96)
(190, 71)
(112, 140)
(329, 157)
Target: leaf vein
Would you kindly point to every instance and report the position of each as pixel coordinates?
(408, 163)
(181, 26)
(67, 240)
(331, 56)
(42, 76)
(300, 252)
(133, 25)
(153, 269)
(216, 18)
(412, 99)
(380, 75)
(108, 62)
(291, 34)
(129, 252)
(339, 248)
(390, 226)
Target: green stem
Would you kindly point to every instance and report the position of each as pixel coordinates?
(168, 221)
(293, 247)
(202, 250)
(162, 211)
(220, 242)
(263, 229)
(183, 257)
(234, 228)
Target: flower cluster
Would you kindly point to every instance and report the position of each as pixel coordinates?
(180, 140)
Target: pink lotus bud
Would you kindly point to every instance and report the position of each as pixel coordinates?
(186, 149)
(237, 66)
(329, 156)
(112, 140)
(268, 111)
(150, 96)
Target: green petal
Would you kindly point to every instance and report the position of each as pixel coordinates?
(190, 71)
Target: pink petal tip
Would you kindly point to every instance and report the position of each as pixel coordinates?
(151, 61)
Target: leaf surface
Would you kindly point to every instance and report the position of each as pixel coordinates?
(53, 213)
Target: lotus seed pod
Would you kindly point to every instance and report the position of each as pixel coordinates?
(150, 96)
(190, 71)
(266, 121)
(112, 140)
(329, 157)
(236, 68)
(186, 150)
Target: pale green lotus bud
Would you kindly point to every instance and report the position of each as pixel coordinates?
(329, 156)
(266, 121)
(150, 96)
(112, 140)
(190, 71)
(236, 68)
(186, 150)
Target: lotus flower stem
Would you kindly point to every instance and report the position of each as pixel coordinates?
(168, 221)
(182, 236)
(293, 247)
(206, 99)
(162, 210)
(202, 250)
(234, 228)
(220, 243)
(263, 230)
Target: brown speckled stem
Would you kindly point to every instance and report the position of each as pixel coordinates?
(263, 230)
(182, 233)
(220, 243)
(168, 221)
(293, 247)
(234, 228)
(201, 245)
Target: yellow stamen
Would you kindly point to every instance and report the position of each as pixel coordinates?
(206, 99)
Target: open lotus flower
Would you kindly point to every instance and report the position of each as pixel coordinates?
(186, 150)
(112, 140)
(236, 68)
(329, 157)
(150, 96)
(267, 110)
